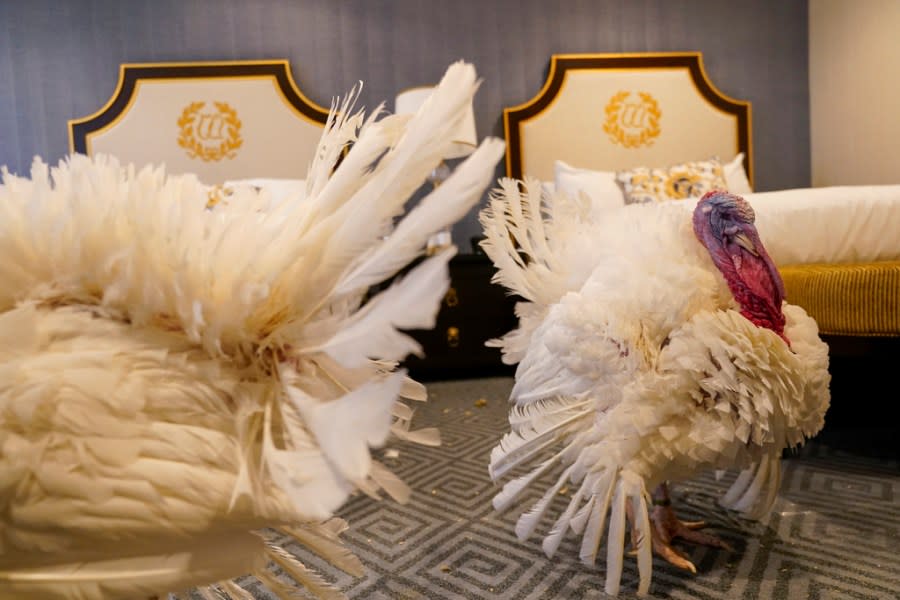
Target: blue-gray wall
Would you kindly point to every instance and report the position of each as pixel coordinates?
(59, 59)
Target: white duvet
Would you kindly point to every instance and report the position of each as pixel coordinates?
(837, 224)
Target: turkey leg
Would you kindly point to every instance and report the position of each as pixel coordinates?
(667, 526)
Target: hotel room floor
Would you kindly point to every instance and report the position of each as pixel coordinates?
(834, 532)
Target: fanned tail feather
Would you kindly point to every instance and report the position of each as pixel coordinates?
(525, 442)
(235, 591)
(340, 132)
(596, 521)
(608, 491)
(561, 526)
(308, 578)
(345, 428)
(499, 221)
(211, 592)
(413, 390)
(323, 539)
(521, 243)
(393, 486)
(513, 488)
(529, 520)
(402, 413)
(629, 488)
(755, 489)
(443, 206)
(409, 303)
(641, 530)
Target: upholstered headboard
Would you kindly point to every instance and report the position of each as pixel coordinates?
(606, 115)
(620, 111)
(219, 120)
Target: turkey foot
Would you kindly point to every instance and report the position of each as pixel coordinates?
(666, 526)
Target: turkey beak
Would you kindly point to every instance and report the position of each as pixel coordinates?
(744, 242)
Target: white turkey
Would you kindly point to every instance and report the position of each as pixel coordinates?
(653, 344)
(177, 381)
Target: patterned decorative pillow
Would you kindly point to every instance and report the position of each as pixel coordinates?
(676, 182)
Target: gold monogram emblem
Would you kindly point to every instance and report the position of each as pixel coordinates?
(209, 135)
(632, 119)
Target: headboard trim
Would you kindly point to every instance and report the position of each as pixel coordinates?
(131, 74)
(560, 64)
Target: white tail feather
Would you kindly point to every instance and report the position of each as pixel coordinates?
(426, 436)
(759, 496)
(409, 303)
(340, 130)
(593, 532)
(580, 518)
(323, 540)
(753, 491)
(641, 529)
(518, 447)
(512, 489)
(517, 241)
(738, 487)
(390, 483)
(560, 527)
(235, 591)
(443, 206)
(345, 428)
(615, 540)
(309, 579)
(528, 521)
(413, 390)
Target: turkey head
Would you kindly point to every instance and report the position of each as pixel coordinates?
(724, 224)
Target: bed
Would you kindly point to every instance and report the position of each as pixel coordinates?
(229, 122)
(653, 127)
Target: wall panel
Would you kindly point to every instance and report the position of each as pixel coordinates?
(59, 60)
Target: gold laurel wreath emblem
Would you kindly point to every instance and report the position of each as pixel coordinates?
(632, 124)
(225, 142)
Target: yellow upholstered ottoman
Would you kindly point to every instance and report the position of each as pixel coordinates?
(852, 299)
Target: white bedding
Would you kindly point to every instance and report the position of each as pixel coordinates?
(837, 224)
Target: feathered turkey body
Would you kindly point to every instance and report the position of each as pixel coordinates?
(637, 365)
(177, 380)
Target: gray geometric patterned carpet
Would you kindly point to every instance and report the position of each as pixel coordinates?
(834, 533)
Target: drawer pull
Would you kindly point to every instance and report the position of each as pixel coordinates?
(453, 337)
(451, 299)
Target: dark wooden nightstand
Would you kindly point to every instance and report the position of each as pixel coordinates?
(473, 311)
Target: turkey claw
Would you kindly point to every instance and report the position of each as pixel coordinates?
(693, 524)
(673, 556)
(689, 533)
(670, 554)
(666, 527)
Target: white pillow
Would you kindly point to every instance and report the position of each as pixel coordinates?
(549, 187)
(605, 192)
(736, 177)
(600, 186)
